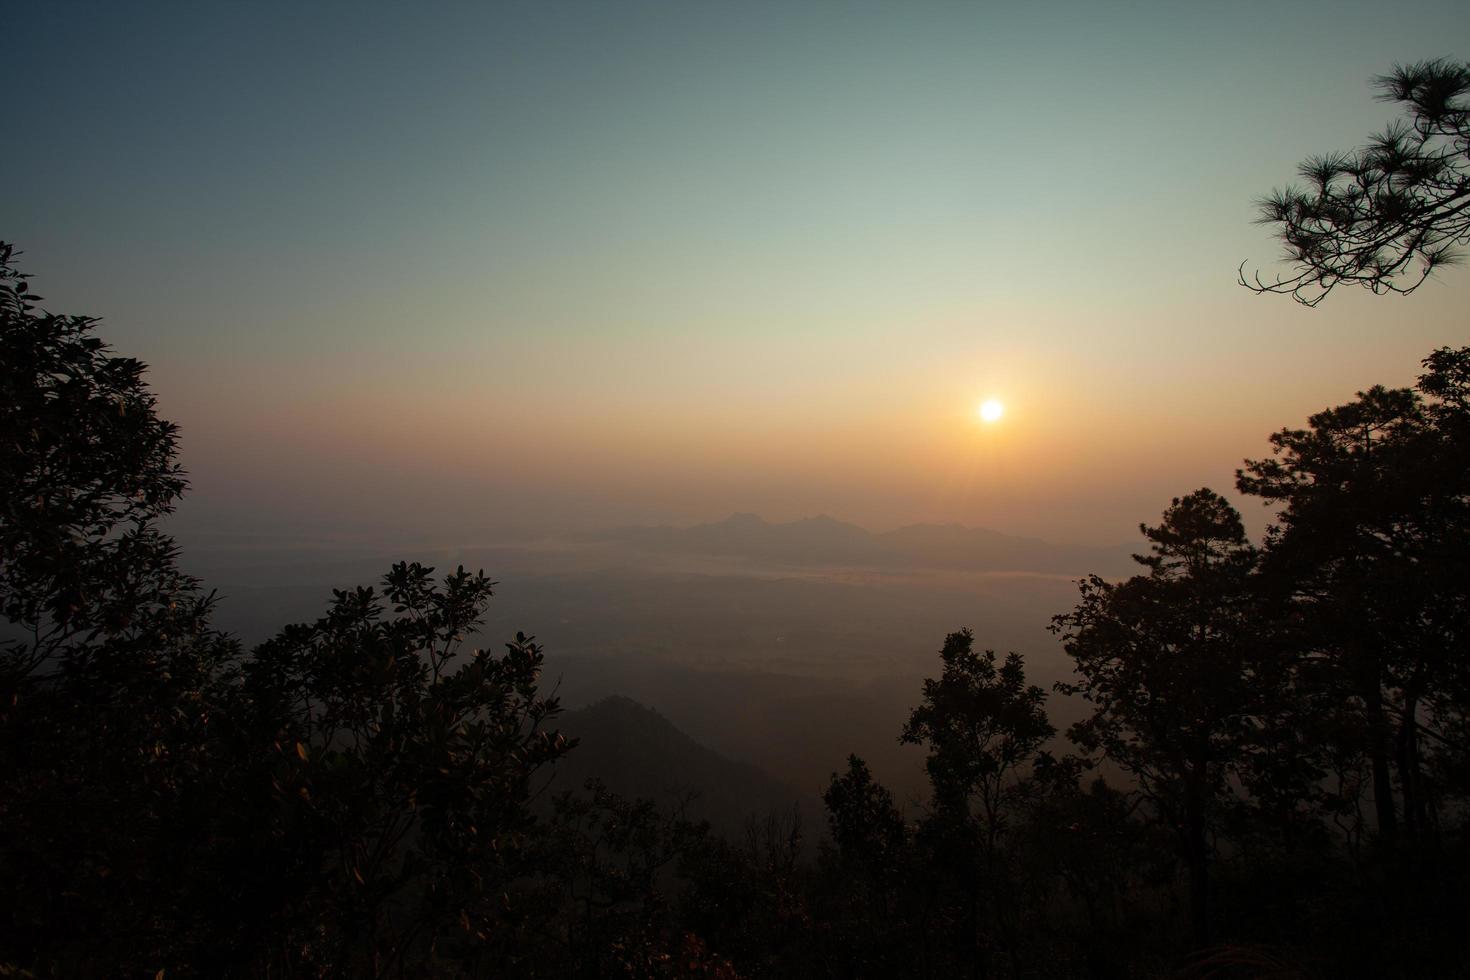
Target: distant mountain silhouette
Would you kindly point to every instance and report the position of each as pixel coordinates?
(637, 752)
(824, 540)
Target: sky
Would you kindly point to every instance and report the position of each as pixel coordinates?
(458, 272)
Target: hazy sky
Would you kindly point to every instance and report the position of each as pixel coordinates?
(436, 269)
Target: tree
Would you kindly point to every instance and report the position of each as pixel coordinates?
(865, 824)
(1082, 840)
(107, 681)
(87, 468)
(1388, 215)
(867, 873)
(1371, 545)
(396, 828)
(1166, 661)
(983, 725)
(607, 857)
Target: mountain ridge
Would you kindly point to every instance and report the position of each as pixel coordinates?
(823, 539)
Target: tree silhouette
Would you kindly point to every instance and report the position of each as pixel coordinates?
(88, 469)
(1388, 215)
(352, 798)
(1165, 659)
(1371, 544)
(609, 856)
(983, 726)
(865, 824)
(108, 691)
(400, 767)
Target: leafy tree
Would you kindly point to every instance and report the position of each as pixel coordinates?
(751, 899)
(1371, 542)
(1083, 844)
(983, 725)
(1166, 661)
(867, 876)
(107, 676)
(608, 857)
(88, 469)
(865, 824)
(400, 767)
(1388, 215)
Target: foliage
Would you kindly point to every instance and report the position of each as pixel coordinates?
(1166, 661)
(1371, 549)
(1388, 215)
(87, 469)
(981, 723)
(611, 858)
(107, 678)
(400, 766)
(866, 827)
(751, 899)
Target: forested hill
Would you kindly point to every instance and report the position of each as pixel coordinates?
(637, 752)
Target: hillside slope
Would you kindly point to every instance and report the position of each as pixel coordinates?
(637, 752)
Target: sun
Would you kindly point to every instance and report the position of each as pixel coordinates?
(991, 410)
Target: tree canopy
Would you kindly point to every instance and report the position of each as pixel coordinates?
(1165, 660)
(1388, 215)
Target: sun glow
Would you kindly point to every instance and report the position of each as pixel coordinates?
(991, 410)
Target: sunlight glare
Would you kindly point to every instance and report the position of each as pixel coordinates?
(991, 410)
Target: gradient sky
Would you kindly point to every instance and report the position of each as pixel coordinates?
(437, 270)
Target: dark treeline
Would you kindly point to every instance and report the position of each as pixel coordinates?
(1271, 781)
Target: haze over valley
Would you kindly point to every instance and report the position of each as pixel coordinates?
(776, 644)
(688, 490)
